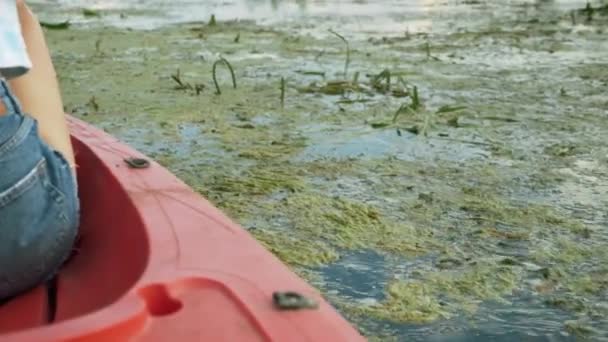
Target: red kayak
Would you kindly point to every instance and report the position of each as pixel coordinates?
(157, 262)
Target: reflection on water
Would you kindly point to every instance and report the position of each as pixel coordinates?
(384, 15)
(312, 16)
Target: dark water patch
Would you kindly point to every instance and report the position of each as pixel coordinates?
(359, 276)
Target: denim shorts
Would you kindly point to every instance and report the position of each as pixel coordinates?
(39, 206)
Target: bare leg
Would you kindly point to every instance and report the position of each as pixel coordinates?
(38, 90)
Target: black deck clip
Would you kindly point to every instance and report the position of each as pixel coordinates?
(293, 301)
(137, 163)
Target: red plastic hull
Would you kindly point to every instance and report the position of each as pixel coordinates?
(157, 262)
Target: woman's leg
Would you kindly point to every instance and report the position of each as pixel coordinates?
(38, 90)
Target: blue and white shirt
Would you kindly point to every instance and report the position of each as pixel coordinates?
(14, 60)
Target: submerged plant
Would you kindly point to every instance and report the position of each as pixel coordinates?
(414, 109)
(429, 56)
(56, 26)
(409, 108)
(347, 59)
(178, 79)
(222, 60)
(282, 91)
(98, 46)
(382, 81)
(88, 12)
(183, 85)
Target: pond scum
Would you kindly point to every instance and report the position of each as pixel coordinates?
(487, 226)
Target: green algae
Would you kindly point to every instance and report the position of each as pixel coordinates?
(335, 223)
(409, 302)
(261, 144)
(88, 12)
(56, 26)
(524, 218)
(443, 294)
(295, 251)
(257, 181)
(567, 252)
(348, 224)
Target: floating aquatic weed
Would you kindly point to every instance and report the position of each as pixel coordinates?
(377, 81)
(347, 59)
(409, 108)
(580, 327)
(519, 221)
(295, 251)
(415, 99)
(349, 224)
(356, 77)
(379, 124)
(282, 92)
(98, 46)
(427, 48)
(589, 11)
(408, 302)
(445, 293)
(330, 223)
(87, 12)
(351, 101)
(182, 85)
(93, 103)
(311, 73)
(498, 118)
(509, 235)
(55, 26)
(414, 110)
(573, 18)
(237, 39)
(382, 338)
(382, 82)
(263, 144)
(178, 79)
(222, 60)
(198, 88)
(336, 87)
(561, 150)
(454, 110)
(259, 181)
(403, 90)
(405, 108)
(449, 109)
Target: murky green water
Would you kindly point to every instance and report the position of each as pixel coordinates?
(448, 183)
